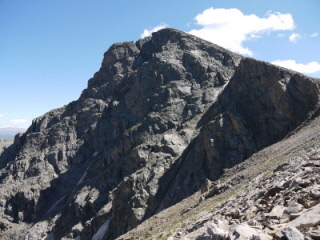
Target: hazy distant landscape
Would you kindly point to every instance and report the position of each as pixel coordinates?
(10, 132)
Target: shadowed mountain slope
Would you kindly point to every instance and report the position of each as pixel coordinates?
(161, 117)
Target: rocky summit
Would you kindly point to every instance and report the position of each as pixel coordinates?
(174, 138)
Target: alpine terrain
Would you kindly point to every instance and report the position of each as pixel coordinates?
(174, 138)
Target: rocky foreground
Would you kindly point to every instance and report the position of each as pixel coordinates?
(174, 132)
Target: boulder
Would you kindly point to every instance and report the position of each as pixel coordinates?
(292, 233)
(245, 232)
(277, 212)
(310, 218)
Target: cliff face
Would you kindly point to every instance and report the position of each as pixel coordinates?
(160, 117)
(5, 143)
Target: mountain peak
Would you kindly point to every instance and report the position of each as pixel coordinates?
(161, 117)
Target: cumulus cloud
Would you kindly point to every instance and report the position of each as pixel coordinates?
(294, 37)
(311, 67)
(230, 28)
(148, 32)
(314, 34)
(1, 115)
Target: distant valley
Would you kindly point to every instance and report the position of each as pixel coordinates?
(10, 132)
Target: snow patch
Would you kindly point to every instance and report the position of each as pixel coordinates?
(102, 231)
(81, 179)
(55, 204)
(50, 237)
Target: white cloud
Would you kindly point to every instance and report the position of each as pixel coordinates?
(311, 67)
(280, 35)
(314, 34)
(294, 37)
(148, 32)
(21, 123)
(229, 28)
(18, 121)
(1, 115)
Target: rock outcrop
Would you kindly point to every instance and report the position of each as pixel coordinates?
(161, 118)
(5, 143)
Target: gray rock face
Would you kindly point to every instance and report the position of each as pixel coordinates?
(259, 106)
(292, 233)
(158, 119)
(5, 143)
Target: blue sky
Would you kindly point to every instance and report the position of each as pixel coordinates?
(50, 49)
